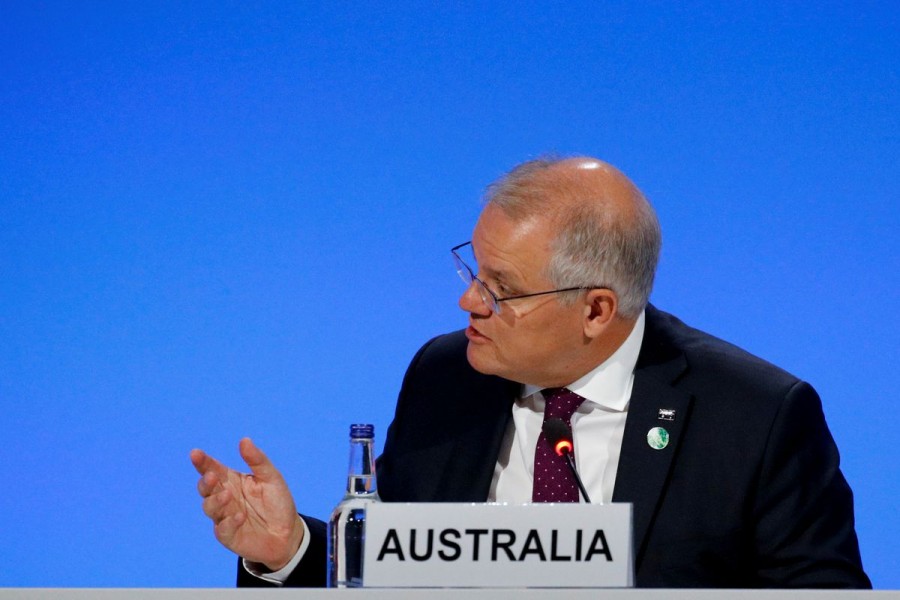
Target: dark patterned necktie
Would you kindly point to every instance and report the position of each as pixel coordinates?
(553, 481)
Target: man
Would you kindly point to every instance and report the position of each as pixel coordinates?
(727, 459)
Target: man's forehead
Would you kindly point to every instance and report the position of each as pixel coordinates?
(511, 248)
(509, 269)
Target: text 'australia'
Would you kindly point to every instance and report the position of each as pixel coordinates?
(493, 545)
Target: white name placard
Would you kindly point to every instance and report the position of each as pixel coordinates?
(498, 545)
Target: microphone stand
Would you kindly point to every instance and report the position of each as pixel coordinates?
(571, 462)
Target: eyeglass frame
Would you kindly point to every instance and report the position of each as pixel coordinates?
(492, 300)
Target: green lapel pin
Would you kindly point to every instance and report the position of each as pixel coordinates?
(657, 438)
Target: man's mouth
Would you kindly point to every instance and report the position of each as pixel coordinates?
(475, 336)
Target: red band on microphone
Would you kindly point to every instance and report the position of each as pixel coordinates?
(563, 447)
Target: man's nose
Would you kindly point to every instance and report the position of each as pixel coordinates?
(472, 302)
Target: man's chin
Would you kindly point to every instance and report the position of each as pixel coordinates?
(475, 356)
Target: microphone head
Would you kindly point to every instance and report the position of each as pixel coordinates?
(559, 435)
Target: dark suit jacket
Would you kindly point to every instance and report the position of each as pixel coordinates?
(747, 493)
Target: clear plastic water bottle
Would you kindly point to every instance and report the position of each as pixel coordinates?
(347, 526)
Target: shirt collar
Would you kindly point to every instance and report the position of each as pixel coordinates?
(609, 383)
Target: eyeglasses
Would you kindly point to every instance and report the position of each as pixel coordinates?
(492, 300)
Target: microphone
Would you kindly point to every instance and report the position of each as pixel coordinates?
(559, 435)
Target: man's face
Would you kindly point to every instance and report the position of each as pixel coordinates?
(532, 340)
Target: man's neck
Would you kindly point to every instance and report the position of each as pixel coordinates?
(595, 352)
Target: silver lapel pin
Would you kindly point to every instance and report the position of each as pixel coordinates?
(666, 414)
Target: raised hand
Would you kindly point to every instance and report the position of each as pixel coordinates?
(253, 514)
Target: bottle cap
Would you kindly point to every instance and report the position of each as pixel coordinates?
(362, 432)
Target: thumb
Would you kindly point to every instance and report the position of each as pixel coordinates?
(260, 465)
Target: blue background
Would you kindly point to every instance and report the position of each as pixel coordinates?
(233, 218)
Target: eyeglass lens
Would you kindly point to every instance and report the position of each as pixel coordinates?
(465, 273)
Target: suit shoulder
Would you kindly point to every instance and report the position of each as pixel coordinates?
(442, 352)
(711, 359)
(441, 363)
(449, 344)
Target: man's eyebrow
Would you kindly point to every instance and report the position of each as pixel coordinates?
(500, 276)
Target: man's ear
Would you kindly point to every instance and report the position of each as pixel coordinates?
(600, 308)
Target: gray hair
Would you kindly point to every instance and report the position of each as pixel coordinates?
(596, 245)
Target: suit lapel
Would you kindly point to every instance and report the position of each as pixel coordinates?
(643, 469)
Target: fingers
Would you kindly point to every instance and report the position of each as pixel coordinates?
(220, 506)
(259, 463)
(208, 484)
(212, 473)
(226, 529)
(204, 463)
